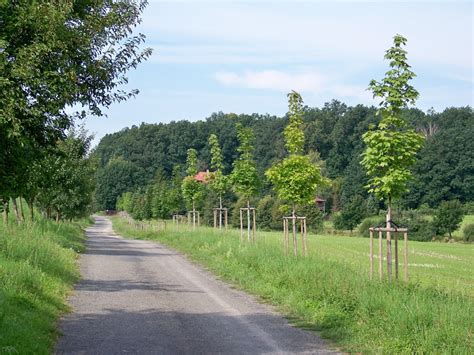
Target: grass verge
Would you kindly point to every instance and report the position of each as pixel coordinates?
(37, 270)
(330, 296)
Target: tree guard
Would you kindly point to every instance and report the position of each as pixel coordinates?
(179, 218)
(303, 232)
(194, 218)
(251, 223)
(219, 215)
(388, 232)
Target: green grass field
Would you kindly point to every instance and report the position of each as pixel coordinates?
(330, 291)
(37, 271)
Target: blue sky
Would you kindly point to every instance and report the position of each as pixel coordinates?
(244, 56)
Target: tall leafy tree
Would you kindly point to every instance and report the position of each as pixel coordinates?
(295, 178)
(448, 217)
(55, 55)
(192, 189)
(67, 178)
(244, 176)
(217, 180)
(391, 147)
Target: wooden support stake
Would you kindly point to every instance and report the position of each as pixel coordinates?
(286, 235)
(396, 255)
(371, 254)
(304, 237)
(199, 219)
(389, 256)
(295, 242)
(254, 225)
(303, 249)
(405, 257)
(225, 219)
(241, 227)
(380, 256)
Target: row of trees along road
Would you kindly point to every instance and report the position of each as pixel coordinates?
(55, 57)
(388, 140)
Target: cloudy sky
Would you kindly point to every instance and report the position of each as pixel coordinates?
(244, 56)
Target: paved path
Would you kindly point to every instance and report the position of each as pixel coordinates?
(141, 297)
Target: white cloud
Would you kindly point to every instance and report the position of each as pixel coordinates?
(274, 80)
(310, 82)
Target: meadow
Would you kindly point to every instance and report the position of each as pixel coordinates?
(38, 267)
(330, 291)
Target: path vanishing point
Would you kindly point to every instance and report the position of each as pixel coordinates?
(141, 297)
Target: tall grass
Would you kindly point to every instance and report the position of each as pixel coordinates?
(37, 270)
(329, 296)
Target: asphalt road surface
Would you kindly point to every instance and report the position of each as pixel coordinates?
(140, 297)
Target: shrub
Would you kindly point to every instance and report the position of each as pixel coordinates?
(420, 230)
(448, 216)
(468, 233)
(368, 222)
(278, 211)
(264, 212)
(314, 217)
(351, 214)
(468, 207)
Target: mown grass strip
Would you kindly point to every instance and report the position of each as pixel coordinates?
(37, 270)
(331, 297)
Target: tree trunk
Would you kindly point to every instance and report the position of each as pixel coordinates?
(58, 216)
(15, 209)
(248, 220)
(30, 207)
(389, 239)
(220, 212)
(194, 216)
(5, 211)
(22, 213)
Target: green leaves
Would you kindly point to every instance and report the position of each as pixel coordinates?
(296, 179)
(217, 181)
(191, 162)
(191, 188)
(244, 176)
(394, 90)
(391, 147)
(294, 135)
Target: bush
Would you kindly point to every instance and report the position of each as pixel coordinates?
(420, 230)
(264, 212)
(351, 214)
(468, 207)
(314, 217)
(374, 221)
(277, 215)
(448, 217)
(468, 233)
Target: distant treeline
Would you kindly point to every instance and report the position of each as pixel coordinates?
(132, 158)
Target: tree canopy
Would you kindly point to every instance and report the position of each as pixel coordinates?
(295, 178)
(392, 146)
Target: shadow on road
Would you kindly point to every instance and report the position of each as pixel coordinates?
(152, 331)
(127, 285)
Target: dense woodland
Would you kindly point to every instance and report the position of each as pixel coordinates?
(138, 158)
